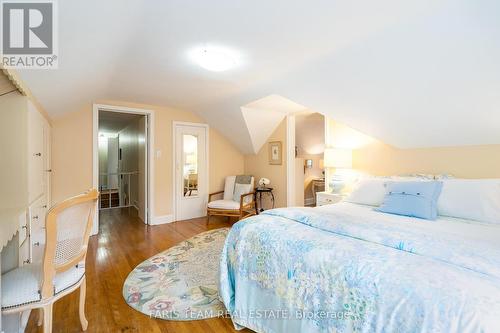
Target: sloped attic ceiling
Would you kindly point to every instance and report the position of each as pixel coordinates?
(411, 73)
(263, 116)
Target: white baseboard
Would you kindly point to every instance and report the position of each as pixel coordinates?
(309, 201)
(162, 219)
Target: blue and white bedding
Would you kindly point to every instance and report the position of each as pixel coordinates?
(348, 268)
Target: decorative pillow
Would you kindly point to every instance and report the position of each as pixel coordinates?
(240, 189)
(471, 199)
(369, 191)
(412, 198)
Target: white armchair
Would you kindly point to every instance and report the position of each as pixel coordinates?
(237, 200)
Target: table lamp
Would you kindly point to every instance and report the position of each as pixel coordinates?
(339, 159)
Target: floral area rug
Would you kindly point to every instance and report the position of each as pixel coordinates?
(181, 282)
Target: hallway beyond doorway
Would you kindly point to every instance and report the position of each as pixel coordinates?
(123, 162)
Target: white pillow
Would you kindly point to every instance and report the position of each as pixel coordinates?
(229, 187)
(414, 177)
(471, 199)
(370, 191)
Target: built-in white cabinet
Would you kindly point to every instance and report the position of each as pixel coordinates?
(38, 182)
(25, 142)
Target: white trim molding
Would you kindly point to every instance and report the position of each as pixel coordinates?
(151, 156)
(290, 160)
(157, 220)
(328, 139)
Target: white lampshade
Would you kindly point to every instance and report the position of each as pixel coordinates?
(338, 158)
(191, 159)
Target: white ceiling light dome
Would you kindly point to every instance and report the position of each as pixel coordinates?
(214, 58)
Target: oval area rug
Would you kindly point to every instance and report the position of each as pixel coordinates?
(180, 283)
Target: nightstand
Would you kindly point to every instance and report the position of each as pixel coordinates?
(326, 198)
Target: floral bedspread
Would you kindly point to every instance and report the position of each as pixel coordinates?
(350, 269)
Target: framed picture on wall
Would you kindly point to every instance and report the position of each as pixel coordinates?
(275, 153)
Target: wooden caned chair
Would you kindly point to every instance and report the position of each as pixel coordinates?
(231, 205)
(191, 184)
(68, 227)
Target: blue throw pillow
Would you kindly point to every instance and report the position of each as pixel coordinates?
(412, 198)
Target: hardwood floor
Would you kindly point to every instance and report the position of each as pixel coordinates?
(122, 243)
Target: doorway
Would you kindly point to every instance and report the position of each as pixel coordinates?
(309, 149)
(122, 160)
(190, 158)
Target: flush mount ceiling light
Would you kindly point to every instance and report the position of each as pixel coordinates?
(215, 59)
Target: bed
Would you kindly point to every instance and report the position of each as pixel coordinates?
(349, 268)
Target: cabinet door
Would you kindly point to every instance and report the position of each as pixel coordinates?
(47, 168)
(23, 227)
(36, 153)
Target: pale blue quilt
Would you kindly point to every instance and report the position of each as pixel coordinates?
(347, 268)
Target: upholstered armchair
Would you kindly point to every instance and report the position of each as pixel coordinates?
(237, 199)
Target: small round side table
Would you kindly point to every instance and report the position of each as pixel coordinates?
(258, 192)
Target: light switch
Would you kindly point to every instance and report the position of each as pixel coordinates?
(158, 153)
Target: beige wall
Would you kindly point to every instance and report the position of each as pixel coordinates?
(72, 153)
(464, 162)
(258, 166)
(299, 180)
(225, 160)
(103, 159)
(377, 158)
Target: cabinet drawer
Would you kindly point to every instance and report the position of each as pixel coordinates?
(323, 198)
(37, 249)
(36, 215)
(322, 202)
(327, 201)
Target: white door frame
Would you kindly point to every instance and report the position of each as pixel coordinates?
(174, 151)
(290, 160)
(150, 121)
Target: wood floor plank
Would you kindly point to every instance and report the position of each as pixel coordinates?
(122, 243)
